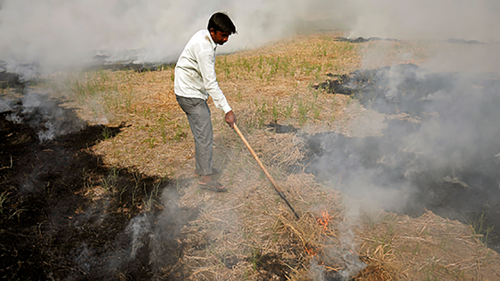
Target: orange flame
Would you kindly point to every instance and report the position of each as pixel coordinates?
(324, 220)
(310, 251)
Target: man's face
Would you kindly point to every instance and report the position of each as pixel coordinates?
(219, 37)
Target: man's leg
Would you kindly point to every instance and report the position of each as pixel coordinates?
(198, 114)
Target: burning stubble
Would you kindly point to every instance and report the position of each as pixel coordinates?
(435, 139)
(437, 149)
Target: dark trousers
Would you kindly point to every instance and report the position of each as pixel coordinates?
(200, 121)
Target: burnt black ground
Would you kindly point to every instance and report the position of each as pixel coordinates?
(51, 228)
(458, 117)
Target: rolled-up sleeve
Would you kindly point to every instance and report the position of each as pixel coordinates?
(206, 61)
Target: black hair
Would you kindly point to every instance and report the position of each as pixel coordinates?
(221, 22)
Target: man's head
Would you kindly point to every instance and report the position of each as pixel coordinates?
(220, 27)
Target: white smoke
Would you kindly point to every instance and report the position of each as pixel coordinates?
(138, 227)
(428, 19)
(43, 114)
(59, 34)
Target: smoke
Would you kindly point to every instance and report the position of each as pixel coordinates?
(450, 141)
(438, 149)
(445, 140)
(43, 114)
(62, 34)
(152, 239)
(137, 228)
(56, 34)
(442, 19)
(436, 144)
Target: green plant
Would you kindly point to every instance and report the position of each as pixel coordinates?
(275, 112)
(88, 183)
(254, 258)
(430, 269)
(481, 229)
(368, 219)
(349, 100)
(226, 67)
(109, 182)
(150, 141)
(303, 110)
(147, 112)
(106, 133)
(417, 249)
(137, 180)
(162, 122)
(246, 65)
(148, 203)
(3, 198)
(317, 75)
(315, 93)
(333, 109)
(316, 110)
(163, 133)
(179, 133)
(106, 185)
(289, 109)
(261, 113)
(122, 192)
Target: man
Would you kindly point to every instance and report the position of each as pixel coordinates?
(195, 80)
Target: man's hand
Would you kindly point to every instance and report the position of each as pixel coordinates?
(230, 119)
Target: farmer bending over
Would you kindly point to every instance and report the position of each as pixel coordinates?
(195, 80)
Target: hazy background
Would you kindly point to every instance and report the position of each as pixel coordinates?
(59, 33)
(67, 34)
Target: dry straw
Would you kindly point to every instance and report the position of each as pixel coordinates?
(248, 233)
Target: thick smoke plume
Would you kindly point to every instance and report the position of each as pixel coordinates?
(438, 148)
(443, 151)
(56, 34)
(62, 34)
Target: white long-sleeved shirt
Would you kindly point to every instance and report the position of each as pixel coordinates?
(195, 71)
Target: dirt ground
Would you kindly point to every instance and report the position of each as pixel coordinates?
(118, 199)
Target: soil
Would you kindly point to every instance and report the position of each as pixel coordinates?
(58, 223)
(65, 215)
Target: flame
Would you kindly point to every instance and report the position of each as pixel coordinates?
(311, 251)
(324, 220)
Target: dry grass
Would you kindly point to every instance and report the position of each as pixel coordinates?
(249, 233)
(427, 248)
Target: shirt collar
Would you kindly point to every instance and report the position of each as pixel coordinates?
(214, 46)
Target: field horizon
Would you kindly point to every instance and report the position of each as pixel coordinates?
(104, 187)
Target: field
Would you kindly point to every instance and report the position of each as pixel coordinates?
(136, 211)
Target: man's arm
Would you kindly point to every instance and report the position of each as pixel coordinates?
(206, 61)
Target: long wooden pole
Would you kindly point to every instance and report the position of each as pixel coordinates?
(280, 192)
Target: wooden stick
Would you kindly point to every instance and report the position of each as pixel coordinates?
(280, 192)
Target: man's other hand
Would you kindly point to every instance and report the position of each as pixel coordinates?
(230, 119)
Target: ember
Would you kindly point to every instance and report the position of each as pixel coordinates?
(311, 251)
(324, 220)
